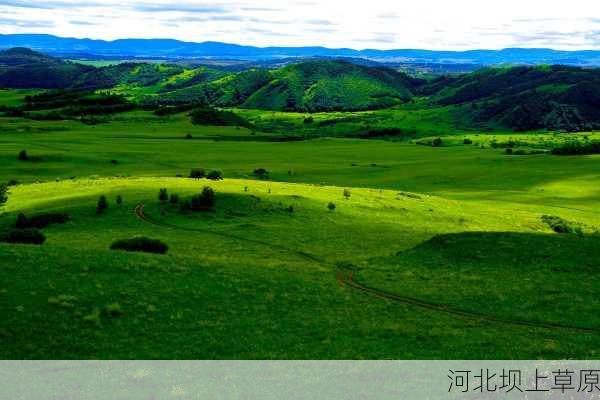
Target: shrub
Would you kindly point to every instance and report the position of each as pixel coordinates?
(23, 155)
(114, 162)
(102, 205)
(331, 206)
(211, 116)
(163, 195)
(24, 236)
(576, 148)
(174, 199)
(185, 205)
(261, 173)
(3, 193)
(508, 150)
(467, 141)
(22, 222)
(309, 120)
(204, 200)
(560, 225)
(197, 173)
(141, 244)
(188, 136)
(12, 182)
(347, 194)
(215, 175)
(119, 200)
(437, 142)
(41, 221)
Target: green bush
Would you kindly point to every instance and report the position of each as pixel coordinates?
(467, 141)
(560, 225)
(204, 200)
(41, 221)
(331, 207)
(215, 175)
(261, 173)
(23, 155)
(174, 199)
(197, 173)
(140, 244)
(3, 193)
(347, 194)
(102, 205)
(163, 195)
(24, 236)
(119, 200)
(577, 148)
(437, 142)
(211, 116)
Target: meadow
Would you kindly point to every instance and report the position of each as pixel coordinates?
(429, 251)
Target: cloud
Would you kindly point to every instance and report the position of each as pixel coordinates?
(83, 23)
(51, 5)
(25, 23)
(178, 7)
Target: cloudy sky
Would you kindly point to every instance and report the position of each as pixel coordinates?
(384, 24)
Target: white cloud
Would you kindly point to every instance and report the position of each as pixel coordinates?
(457, 24)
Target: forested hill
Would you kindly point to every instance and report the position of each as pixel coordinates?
(520, 98)
(24, 68)
(523, 98)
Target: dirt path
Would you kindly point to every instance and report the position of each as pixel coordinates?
(346, 279)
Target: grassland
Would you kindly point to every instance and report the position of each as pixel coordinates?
(458, 226)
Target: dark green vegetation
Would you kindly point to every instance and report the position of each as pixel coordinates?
(141, 244)
(260, 224)
(525, 98)
(519, 98)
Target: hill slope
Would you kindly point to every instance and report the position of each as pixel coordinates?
(24, 68)
(523, 98)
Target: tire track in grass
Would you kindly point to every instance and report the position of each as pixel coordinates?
(139, 212)
(346, 279)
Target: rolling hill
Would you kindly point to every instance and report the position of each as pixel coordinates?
(525, 98)
(24, 68)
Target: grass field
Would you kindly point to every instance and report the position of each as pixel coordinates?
(454, 232)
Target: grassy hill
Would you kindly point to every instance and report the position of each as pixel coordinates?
(332, 85)
(24, 68)
(525, 98)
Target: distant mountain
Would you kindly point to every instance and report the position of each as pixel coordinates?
(24, 68)
(168, 48)
(524, 98)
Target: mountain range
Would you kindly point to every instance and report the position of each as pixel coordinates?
(175, 49)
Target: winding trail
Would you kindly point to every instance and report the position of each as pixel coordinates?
(346, 279)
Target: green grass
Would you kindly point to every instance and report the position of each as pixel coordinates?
(459, 226)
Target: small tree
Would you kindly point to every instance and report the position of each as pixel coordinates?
(197, 173)
(3, 193)
(102, 205)
(163, 195)
(23, 155)
(174, 199)
(204, 200)
(119, 200)
(215, 175)
(347, 194)
(22, 222)
(331, 206)
(261, 173)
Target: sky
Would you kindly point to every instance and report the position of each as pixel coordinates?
(381, 24)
